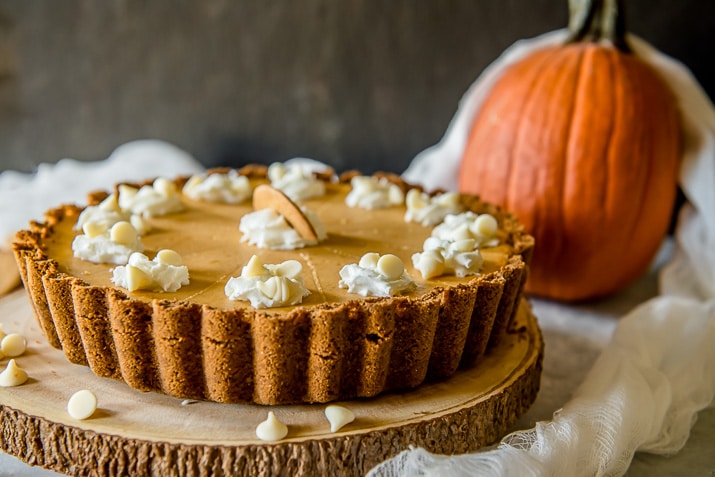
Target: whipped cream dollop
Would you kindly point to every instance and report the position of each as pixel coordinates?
(430, 211)
(482, 228)
(297, 182)
(374, 193)
(107, 213)
(376, 275)
(101, 245)
(269, 285)
(444, 257)
(453, 247)
(161, 198)
(166, 272)
(229, 187)
(266, 228)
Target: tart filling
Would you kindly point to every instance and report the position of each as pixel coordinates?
(196, 342)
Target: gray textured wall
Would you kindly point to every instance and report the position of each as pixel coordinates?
(356, 83)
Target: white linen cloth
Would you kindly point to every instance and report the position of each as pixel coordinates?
(644, 391)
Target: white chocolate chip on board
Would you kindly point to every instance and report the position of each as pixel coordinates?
(13, 345)
(338, 416)
(82, 404)
(271, 429)
(13, 375)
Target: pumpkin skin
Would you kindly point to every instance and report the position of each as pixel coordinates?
(582, 142)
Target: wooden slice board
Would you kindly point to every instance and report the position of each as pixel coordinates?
(137, 434)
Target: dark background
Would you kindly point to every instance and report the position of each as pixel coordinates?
(354, 83)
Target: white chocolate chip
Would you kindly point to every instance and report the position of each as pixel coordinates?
(485, 225)
(464, 245)
(254, 268)
(123, 233)
(2, 333)
(390, 266)
(395, 194)
(13, 345)
(13, 375)
(169, 257)
(270, 288)
(416, 199)
(275, 288)
(430, 263)
(338, 416)
(462, 232)
(276, 171)
(271, 429)
(110, 204)
(93, 229)
(126, 195)
(369, 260)
(139, 224)
(288, 269)
(194, 181)
(136, 278)
(448, 199)
(82, 404)
(165, 187)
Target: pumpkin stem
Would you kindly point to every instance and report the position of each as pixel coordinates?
(598, 20)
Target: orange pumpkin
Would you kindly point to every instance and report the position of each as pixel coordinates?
(582, 141)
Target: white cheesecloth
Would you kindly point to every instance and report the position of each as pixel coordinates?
(644, 391)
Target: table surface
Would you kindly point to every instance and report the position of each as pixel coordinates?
(577, 333)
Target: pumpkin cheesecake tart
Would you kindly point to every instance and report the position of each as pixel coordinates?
(273, 286)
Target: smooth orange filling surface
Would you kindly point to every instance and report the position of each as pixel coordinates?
(206, 236)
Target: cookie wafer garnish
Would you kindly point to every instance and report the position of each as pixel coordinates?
(267, 197)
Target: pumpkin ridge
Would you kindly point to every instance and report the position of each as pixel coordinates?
(611, 152)
(522, 128)
(621, 208)
(589, 147)
(548, 216)
(655, 156)
(574, 106)
(536, 74)
(644, 148)
(638, 200)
